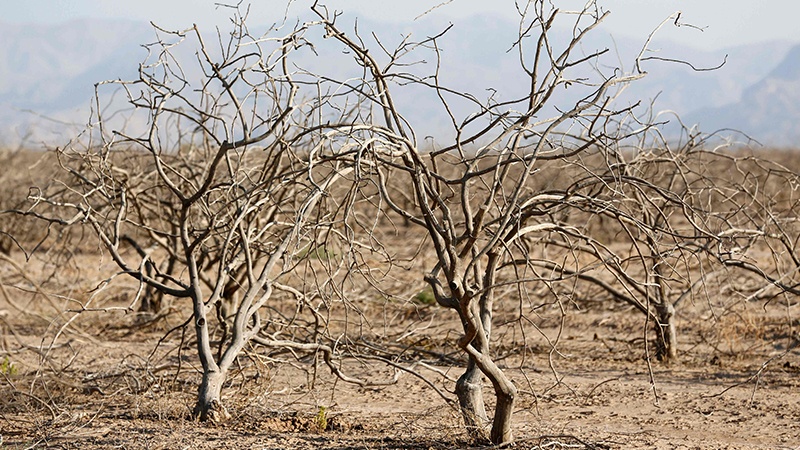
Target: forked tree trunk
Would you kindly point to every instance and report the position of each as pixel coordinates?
(505, 392)
(209, 406)
(666, 333)
(469, 390)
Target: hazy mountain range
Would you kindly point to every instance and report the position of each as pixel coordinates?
(47, 76)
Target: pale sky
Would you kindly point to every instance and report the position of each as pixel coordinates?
(726, 22)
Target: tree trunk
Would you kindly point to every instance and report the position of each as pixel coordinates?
(469, 390)
(666, 333)
(209, 406)
(505, 391)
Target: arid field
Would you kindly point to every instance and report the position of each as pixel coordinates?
(118, 379)
(254, 244)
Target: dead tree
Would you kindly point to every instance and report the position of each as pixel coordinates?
(540, 190)
(213, 190)
(756, 210)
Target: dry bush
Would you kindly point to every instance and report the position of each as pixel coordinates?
(24, 168)
(219, 201)
(643, 218)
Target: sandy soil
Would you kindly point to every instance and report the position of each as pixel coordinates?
(101, 385)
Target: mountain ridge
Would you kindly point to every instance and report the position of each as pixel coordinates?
(767, 111)
(51, 70)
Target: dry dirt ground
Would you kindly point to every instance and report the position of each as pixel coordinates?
(98, 382)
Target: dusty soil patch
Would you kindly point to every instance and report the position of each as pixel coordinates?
(98, 383)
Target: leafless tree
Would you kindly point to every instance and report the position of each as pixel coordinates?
(560, 186)
(224, 193)
(756, 215)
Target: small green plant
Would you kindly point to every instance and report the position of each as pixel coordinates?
(322, 419)
(7, 367)
(425, 297)
(321, 253)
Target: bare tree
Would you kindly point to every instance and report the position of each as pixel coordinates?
(756, 209)
(545, 189)
(224, 193)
